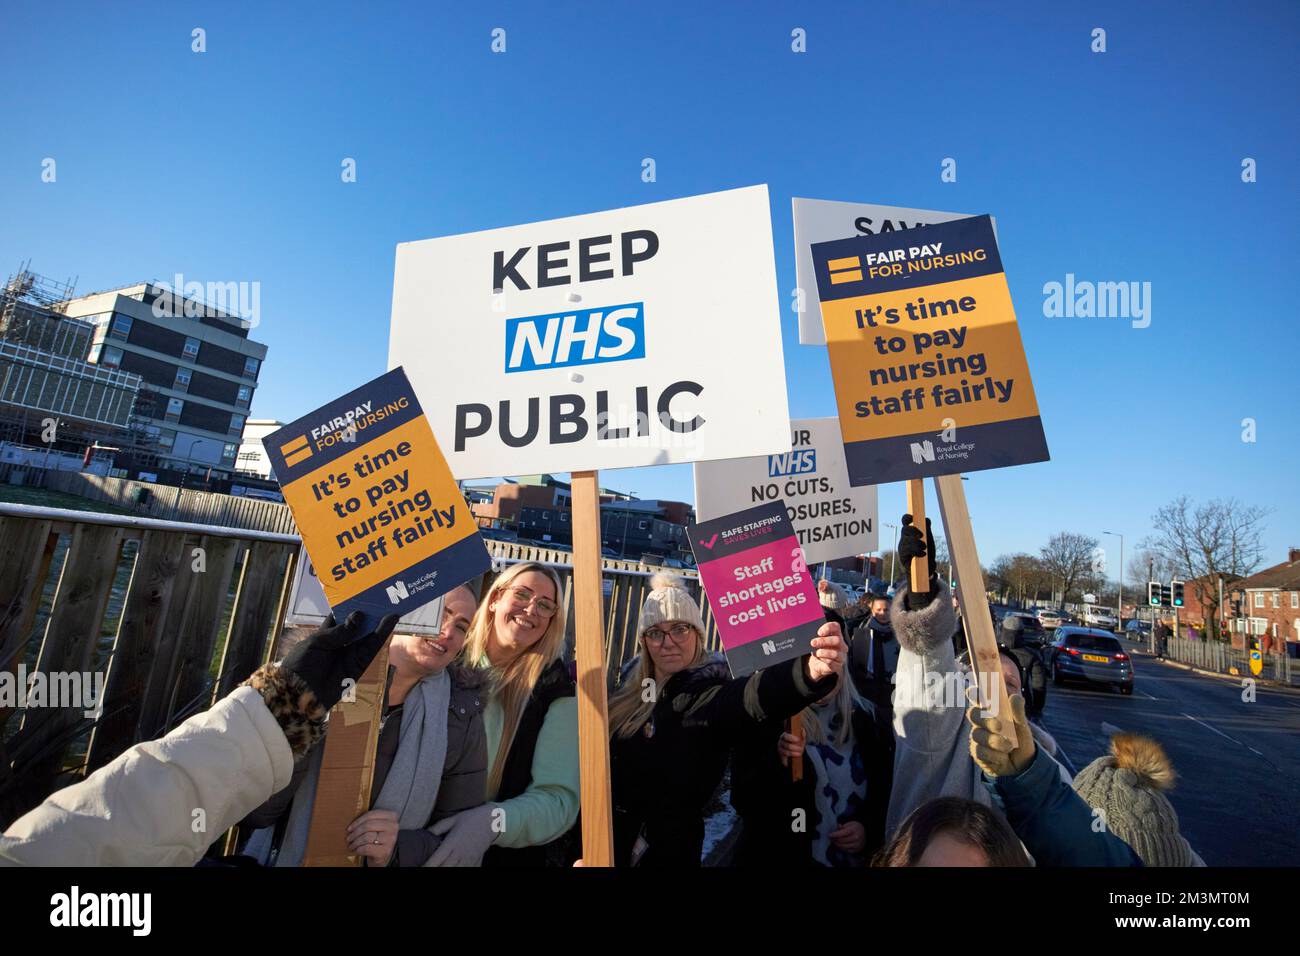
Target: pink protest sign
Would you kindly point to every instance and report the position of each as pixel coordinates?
(758, 586)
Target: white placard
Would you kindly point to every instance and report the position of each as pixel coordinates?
(308, 607)
(832, 518)
(640, 336)
(823, 220)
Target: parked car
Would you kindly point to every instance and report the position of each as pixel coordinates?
(1091, 655)
(1034, 633)
(1097, 616)
(1051, 618)
(1137, 630)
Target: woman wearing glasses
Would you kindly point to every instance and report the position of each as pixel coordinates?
(675, 717)
(531, 723)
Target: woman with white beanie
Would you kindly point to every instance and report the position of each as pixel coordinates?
(674, 718)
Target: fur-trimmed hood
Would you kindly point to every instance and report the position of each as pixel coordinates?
(924, 630)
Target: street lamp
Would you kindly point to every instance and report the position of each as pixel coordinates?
(1120, 613)
(194, 440)
(893, 551)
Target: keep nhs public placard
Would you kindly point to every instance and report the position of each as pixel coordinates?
(823, 220)
(380, 515)
(758, 586)
(831, 518)
(637, 336)
(929, 370)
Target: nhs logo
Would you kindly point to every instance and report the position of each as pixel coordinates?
(792, 463)
(612, 333)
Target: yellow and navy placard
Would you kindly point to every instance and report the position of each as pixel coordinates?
(385, 525)
(930, 373)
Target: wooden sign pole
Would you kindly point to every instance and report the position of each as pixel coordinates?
(980, 639)
(593, 714)
(920, 569)
(795, 726)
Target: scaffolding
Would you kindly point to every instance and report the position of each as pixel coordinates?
(45, 375)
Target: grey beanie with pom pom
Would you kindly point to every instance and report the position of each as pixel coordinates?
(669, 600)
(1128, 786)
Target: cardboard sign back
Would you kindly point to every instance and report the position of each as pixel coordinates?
(347, 769)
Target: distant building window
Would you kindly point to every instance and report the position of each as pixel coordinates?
(229, 451)
(251, 365)
(236, 424)
(111, 357)
(1259, 600)
(182, 382)
(121, 327)
(166, 439)
(249, 456)
(174, 407)
(244, 397)
(1295, 599)
(1275, 599)
(191, 350)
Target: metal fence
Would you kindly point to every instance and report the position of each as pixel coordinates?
(1220, 658)
(172, 616)
(166, 502)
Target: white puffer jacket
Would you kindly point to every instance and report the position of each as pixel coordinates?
(161, 803)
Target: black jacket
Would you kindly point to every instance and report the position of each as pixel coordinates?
(766, 798)
(1031, 666)
(556, 682)
(664, 775)
(877, 687)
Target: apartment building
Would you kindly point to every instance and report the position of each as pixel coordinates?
(198, 367)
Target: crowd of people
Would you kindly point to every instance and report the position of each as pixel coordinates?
(477, 753)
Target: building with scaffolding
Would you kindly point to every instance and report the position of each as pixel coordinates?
(198, 365)
(54, 403)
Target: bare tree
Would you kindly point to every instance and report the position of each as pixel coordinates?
(1068, 557)
(1148, 564)
(1219, 539)
(1018, 575)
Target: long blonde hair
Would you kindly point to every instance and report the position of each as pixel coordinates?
(846, 698)
(630, 706)
(513, 683)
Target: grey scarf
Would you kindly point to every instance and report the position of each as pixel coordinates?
(411, 787)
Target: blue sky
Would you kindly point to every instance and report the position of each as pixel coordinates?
(1115, 166)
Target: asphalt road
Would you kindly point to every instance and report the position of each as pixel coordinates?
(1238, 796)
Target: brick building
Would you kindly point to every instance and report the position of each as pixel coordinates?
(1270, 605)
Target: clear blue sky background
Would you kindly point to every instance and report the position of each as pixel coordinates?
(1120, 166)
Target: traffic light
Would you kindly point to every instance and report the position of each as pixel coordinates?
(1166, 596)
(1153, 593)
(1176, 587)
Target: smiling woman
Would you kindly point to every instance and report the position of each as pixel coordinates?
(531, 721)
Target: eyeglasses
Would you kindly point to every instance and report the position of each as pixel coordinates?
(524, 597)
(678, 632)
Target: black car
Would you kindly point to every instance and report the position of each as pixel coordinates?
(1087, 654)
(1031, 630)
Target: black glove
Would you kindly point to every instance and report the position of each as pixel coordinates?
(911, 545)
(335, 653)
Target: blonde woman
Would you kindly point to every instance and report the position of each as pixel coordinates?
(531, 722)
(675, 717)
(847, 748)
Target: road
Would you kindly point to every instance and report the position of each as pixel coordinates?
(1238, 795)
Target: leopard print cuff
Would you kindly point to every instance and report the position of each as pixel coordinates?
(293, 704)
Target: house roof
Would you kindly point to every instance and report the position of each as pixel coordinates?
(1284, 576)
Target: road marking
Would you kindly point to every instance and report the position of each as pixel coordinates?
(1219, 732)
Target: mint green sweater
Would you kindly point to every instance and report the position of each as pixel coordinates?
(550, 804)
